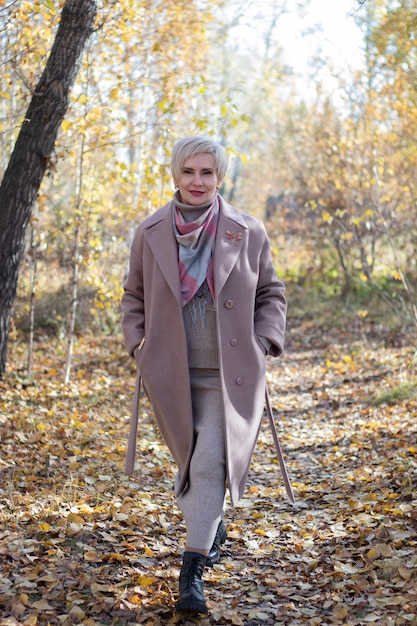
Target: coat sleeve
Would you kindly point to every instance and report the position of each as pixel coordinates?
(133, 309)
(270, 302)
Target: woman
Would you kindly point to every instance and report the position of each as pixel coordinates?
(202, 307)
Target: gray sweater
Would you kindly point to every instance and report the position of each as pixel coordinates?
(200, 329)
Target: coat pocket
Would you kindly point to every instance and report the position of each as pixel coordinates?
(261, 345)
(138, 354)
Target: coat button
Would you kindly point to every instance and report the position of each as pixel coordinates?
(229, 304)
(239, 381)
(233, 342)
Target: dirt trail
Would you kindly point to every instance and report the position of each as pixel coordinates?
(80, 543)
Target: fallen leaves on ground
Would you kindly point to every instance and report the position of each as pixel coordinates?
(81, 543)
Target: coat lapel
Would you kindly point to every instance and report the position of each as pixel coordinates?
(231, 235)
(161, 239)
(232, 232)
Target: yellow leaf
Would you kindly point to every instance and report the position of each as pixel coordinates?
(148, 551)
(50, 6)
(380, 549)
(326, 217)
(134, 599)
(146, 581)
(116, 556)
(74, 523)
(44, 527)
(65, 126)
(74, 518)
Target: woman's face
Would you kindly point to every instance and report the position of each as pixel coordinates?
(198, 180)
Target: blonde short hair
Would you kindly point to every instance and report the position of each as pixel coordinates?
(186, 148)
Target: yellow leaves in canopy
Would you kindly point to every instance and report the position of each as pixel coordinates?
(82, 99)
(50, 5)
(66, 125)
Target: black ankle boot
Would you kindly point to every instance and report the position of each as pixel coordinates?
(191, 600)
(214, 554)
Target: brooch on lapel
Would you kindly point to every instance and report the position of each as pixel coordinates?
(233, 236)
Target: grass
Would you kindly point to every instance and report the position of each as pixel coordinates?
(398, 394)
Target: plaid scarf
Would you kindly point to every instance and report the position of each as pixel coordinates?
(196, 247)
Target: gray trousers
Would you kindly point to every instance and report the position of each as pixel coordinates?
(203, 502)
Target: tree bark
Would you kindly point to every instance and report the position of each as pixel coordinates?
(33, 149)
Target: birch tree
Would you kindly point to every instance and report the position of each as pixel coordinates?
(33, 149)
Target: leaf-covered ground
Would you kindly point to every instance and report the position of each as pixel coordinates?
(80, 543)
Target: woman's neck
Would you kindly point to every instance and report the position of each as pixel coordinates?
(191, 212)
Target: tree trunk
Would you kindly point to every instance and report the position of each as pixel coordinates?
(33, 149)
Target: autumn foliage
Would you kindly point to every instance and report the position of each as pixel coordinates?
(331, 172)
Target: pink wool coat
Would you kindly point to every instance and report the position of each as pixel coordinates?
(250, 303)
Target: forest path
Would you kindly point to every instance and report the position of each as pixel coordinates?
(80, 543)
